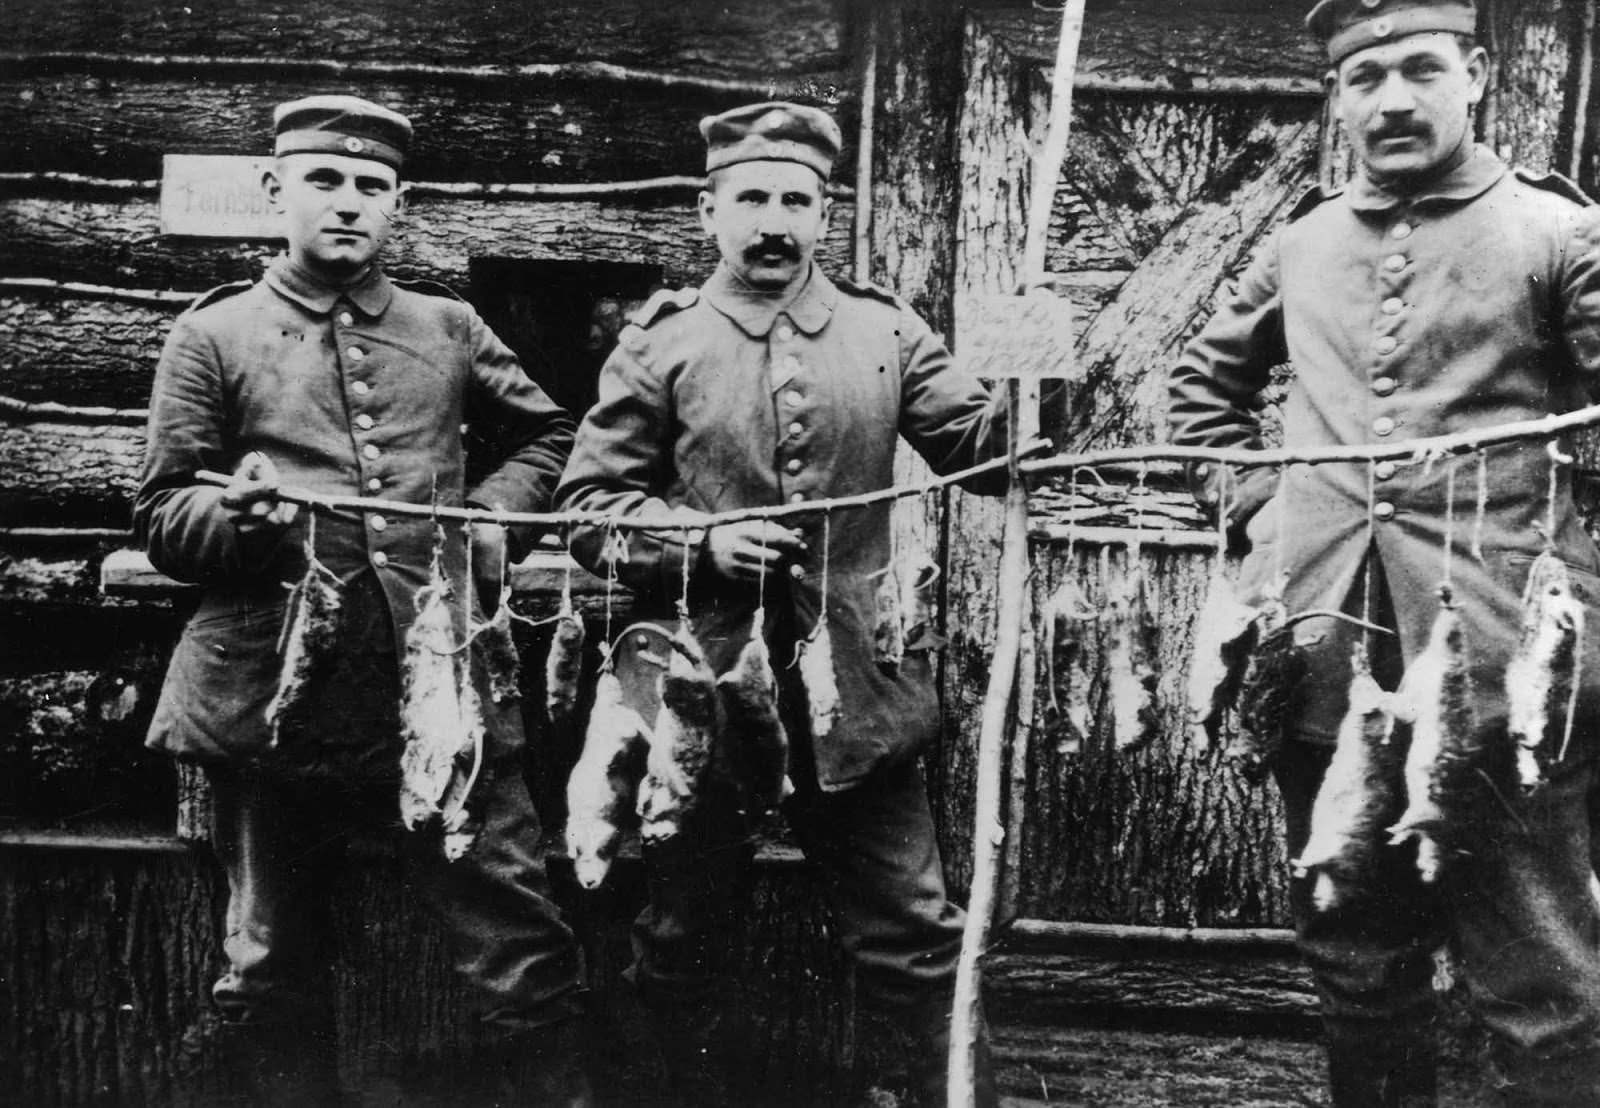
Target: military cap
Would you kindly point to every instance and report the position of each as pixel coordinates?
(772, 132)
(345, 125)
(1351, 25)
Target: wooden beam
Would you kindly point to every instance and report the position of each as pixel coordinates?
(782, 42)
(81, 241)
(547, 129)
(254, 68)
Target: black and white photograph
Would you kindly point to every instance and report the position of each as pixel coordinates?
(800, 554)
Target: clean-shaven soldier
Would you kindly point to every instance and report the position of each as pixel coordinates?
(1440, 291)
(327, 375)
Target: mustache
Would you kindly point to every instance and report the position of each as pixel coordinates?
(1394, 132)
(767, 247)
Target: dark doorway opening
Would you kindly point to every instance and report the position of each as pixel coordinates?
(561, 317)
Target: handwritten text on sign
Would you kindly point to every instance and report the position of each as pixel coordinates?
(216, 196)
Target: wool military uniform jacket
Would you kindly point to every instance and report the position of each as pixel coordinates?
(365, 391)
(1474, 303)
(718, 399)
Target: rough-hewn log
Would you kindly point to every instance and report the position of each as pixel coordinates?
(106, 960)
(91, 240)
(1124, 351)
(1044, 972)
(797, 37)
(918, 88)
(79, 351)
(119, 125)
(995, 180)
(1167, 834)
(1529, 112)
(71, 747)
(1175, 45)
(63, 473)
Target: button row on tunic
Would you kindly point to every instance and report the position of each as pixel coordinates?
(1383, 511)
(1383, 425)
(346, 318)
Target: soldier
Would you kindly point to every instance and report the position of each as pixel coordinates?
(329, 376)
(1439, 291)
(772, 384)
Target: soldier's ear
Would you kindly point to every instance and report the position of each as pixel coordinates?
(708, 208)
(1477, 74)
(272, 185)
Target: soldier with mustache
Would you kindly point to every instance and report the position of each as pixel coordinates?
(775, 384)
(1440, 291)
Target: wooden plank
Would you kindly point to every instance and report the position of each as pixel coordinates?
(120, 124)
(758, 40)
(78, 239)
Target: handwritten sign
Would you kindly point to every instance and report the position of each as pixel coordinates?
(998, 337)
(216, 196)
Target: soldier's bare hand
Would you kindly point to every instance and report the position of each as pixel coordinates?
(251, 500)
(745, 551)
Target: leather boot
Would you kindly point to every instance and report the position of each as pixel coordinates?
(701, 1071)
(1382, 1069)
(547, 1067)
(283, 1064)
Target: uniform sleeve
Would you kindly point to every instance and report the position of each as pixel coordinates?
(620, 465)
(525, 430)
(1580, 297)
(182, 525)
(950, 417)
(1212, 391)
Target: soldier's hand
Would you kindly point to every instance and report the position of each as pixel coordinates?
(251, 500)
(745, 551)
(488, 562)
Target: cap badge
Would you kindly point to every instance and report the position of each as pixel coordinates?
(1382, 28)
(353, 144)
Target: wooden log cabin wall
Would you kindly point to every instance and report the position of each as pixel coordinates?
(553, 185)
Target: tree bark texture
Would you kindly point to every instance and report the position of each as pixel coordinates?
(107, 960)
(996, 127)
(438, 239)
(1042, 977)
(513, 129)
(68, 474)
(1530, 108)
(1166, 834)
(788, 41)
(1125, 350)
(1157, 41)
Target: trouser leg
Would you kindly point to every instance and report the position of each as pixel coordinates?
(683, 942)
(1372, 961)
(275, 994)
(508, 941)
(1528, 936)
(878, 860)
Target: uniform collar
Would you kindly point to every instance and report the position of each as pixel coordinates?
(371, 294)
(1472, 178)
(810, 309)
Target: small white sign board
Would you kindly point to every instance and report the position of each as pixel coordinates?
(216, 196)
(999, 337)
